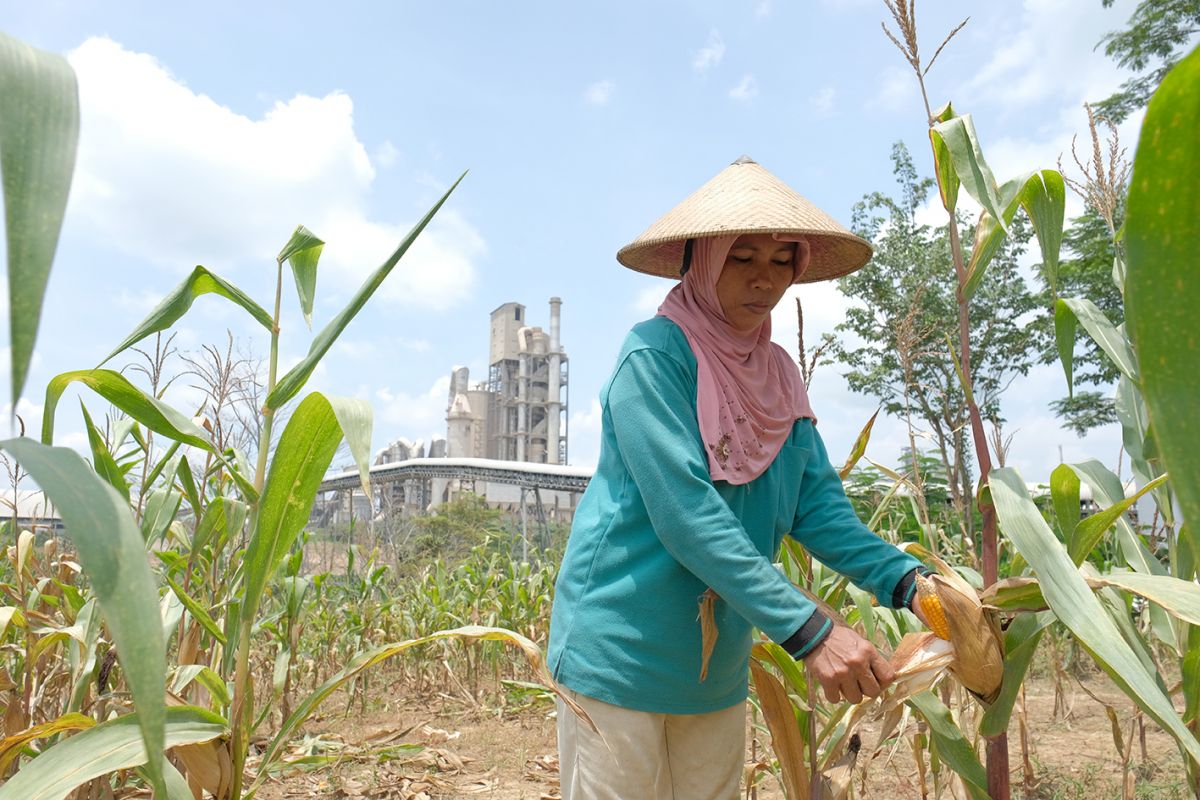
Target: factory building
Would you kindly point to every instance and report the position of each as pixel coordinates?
(520, 412)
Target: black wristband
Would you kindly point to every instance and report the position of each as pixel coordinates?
(903, 593)
(810, 634)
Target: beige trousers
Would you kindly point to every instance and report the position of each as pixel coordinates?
(650, 756)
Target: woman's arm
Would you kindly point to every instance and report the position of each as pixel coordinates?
(831, 531)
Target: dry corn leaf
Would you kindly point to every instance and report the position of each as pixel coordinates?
(785, 734)
(708, 630)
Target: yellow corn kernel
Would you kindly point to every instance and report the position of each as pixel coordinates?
(931, 604)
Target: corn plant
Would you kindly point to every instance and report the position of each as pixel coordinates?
(817, 744)
(1112, 640)
(1091, 606)
(205, 597)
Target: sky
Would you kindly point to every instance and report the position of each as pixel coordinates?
(209, 131)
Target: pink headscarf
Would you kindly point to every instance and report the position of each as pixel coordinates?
(749, 392)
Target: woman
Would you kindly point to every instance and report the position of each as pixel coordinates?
(709, 457)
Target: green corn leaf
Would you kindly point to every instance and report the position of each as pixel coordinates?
(159, 513)
(1064, 491)
(1131, 413)
(989, 235)
(950, 744)
(958, 136)
(113, 387)
(1191, 678)
(111, 551)
(176, 785)
(169, 459)
(206, 677)
(356, 418)
(947, 179)
(188, 483)
(1020, 643)
(1179, 598)
(302, 252)
(177, 303)
(1162, 294)
(1091, 530)
(1064, 340)
(102, 460)
(1107, 491)
(10, 615)
(198, 612)
(212, 523)
(1014, 594)
(301, 459)
(280, 672)
(1045, 201)
(291, 383)
(39, 130)
(958, 370)
(1077, 310)
(1075, 605)
(106, 748)
(1043, 196)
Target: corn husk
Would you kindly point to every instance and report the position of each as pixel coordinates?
(919, 661)
(975, 634)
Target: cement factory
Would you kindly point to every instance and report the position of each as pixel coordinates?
(520, 412)
(497, 430)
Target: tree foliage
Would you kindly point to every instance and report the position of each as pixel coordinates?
(1158, 33)
(906, 318)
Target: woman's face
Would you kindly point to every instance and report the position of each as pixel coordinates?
(757, 271)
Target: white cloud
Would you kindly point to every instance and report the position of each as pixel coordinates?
(369, 349)
(173, 177)
(822, 101)
(711, 54)
(386, 155)
(762, 8)
(746, 90)
(599, 93)
(1052, 55)
(416, 416)
(584, 428)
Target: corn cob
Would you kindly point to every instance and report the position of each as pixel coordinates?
(931, 605)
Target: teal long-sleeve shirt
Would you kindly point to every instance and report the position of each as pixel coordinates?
(653, 531)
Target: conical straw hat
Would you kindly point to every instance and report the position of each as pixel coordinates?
(745, 198)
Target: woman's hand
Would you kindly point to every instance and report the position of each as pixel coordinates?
(848, 666)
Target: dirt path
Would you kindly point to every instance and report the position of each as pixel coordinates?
(442, 748)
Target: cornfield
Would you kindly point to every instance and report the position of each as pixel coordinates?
(170, 640)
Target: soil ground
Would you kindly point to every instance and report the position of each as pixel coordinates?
(451, 748)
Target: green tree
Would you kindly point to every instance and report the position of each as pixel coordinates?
(455, 527)
(1158, 33)
(907, 316)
